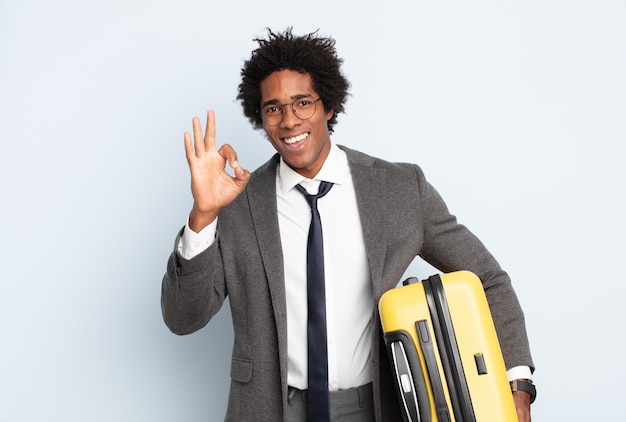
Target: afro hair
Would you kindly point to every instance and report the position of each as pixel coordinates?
(309, 54)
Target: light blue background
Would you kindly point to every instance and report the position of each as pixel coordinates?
(515, 110)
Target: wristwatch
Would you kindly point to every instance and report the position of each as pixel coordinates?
(524, 385)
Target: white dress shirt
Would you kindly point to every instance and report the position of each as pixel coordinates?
(349, 300)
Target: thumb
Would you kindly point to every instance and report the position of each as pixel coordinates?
(241, 175)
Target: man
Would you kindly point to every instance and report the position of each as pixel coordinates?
(247, 238)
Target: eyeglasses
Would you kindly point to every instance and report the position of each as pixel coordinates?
(303, 108)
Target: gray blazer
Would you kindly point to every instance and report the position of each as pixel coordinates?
(402, 216)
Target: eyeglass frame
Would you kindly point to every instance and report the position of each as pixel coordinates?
(293, 109)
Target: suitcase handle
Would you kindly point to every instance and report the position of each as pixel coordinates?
(428, 350)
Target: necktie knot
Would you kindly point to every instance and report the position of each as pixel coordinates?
(323, 189)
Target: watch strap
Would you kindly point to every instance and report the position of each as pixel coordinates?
(525, 385)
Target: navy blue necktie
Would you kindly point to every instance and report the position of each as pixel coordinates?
(318, 403)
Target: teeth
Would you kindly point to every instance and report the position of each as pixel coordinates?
(295, 139)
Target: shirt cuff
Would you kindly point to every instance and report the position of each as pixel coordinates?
(192, 244)
(519, 372)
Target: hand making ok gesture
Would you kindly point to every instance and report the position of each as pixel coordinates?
(211, 186)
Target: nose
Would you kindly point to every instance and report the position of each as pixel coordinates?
(289, 118)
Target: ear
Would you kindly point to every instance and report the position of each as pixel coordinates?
(329, 114)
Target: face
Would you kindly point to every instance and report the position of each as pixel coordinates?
(303, 144)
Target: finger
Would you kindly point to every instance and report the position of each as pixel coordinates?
(189, 151)
(209, 136)
(229, 153)
(197, 136)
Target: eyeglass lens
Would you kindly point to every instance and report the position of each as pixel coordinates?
(303, 108)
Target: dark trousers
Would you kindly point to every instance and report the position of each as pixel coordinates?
(353, 405)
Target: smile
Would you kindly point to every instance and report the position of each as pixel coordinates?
(295, 139)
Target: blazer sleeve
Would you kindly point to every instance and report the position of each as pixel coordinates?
(450, 246)
(193, 290)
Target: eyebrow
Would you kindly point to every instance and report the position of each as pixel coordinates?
(293, 98)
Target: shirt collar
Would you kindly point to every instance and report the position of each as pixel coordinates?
(333, 170)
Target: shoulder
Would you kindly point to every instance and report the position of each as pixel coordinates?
(358, 159)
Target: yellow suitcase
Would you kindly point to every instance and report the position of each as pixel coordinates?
(443, 347)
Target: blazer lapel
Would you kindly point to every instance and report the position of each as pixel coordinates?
(370, 187)
(261, 191)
